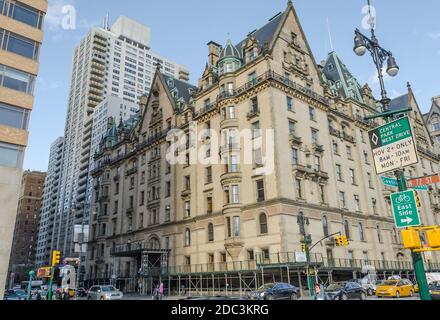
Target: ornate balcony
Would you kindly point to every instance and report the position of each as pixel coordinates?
(253, 114)
(229, 123)
(230, 177)
(294, 139)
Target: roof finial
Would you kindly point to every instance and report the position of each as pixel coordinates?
(289, 3)
(408, 85)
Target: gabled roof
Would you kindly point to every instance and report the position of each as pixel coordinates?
(183, 89)
(401, 102)
(265, 34)
(230, 51)
(435, 109)
(340, 79)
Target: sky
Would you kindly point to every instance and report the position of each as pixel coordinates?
(181, 29)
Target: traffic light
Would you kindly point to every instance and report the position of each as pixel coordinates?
(56, 258)
(418, 202)
(411, 239)
(303, 248)
(341, 241)
(433, 237)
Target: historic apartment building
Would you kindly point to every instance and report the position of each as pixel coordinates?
(432, 119)
(21, 36)
(26, 226)
(110, 61)
(199, 216)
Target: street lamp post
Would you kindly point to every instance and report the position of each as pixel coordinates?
(380, 55)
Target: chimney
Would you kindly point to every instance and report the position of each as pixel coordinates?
(213, 53)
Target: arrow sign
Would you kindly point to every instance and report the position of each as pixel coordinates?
(406, 213)
(407, 220)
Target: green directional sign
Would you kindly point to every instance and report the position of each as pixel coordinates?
(393, 146)
(389, 182)
(405, 209)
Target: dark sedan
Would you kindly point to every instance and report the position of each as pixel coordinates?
(276, 291)
(434, 290)
(207, 298)
(346, 291)
(16, 294)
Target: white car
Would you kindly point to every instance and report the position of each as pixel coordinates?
(104, 293)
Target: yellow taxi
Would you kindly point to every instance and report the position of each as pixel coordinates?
(395, 289)
(416, 288)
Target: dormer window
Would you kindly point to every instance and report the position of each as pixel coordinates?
(251, 55)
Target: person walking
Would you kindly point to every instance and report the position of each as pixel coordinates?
(156, 293)
(317, 291)
(161, 289)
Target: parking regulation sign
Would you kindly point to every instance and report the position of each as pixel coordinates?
(405, 209)
(393, 146)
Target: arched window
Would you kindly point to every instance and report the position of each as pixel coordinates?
(154, 244)
(187, 237)
(263, 224)
(361, 232)
(347, 229)
(325, 226)
(210, 232)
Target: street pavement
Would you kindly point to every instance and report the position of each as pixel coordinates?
(372, 298)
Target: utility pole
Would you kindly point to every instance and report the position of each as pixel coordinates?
(380, 55)
(302, 221)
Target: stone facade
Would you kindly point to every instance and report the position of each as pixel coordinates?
(202, 214)
(27, 225)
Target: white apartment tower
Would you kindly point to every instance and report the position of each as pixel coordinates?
(50, 218)
(116, 62)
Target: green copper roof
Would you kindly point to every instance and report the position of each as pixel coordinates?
(340, 79)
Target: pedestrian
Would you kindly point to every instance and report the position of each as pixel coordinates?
(317, 291)
(156, 293)
(161, 291)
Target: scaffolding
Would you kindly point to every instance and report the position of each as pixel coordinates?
(239, 278)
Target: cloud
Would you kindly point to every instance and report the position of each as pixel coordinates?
(48, 85)
(373, 80)
(434, 35)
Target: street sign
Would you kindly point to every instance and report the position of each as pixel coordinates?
(389, 182)
(405, 209)
(393, 146)
(300, 257)
(424, 181)
(43, 272)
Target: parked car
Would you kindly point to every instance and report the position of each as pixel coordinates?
(434, 290)
(104, 293)
(369, 286)
(15, 294)
(346, 291)
(213, 298)
(395, 288)
(82, 292)
(276, 291)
